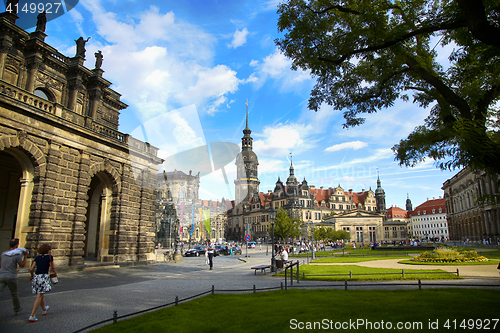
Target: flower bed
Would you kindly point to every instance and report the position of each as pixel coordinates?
(447, 255)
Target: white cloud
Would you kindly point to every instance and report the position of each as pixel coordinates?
(347, 145)
(277, 67)
(159, 62)
(239, 38)
(281, 139)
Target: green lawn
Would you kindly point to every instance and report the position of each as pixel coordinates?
(284, 311)
(321, 272)
(358, 252)
(355, 259)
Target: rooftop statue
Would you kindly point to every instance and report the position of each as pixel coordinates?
(80, 46)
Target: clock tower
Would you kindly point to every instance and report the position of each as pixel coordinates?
(247, 181)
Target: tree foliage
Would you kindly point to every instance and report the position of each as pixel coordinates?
(366, 54)
(285, 226)
(323, 233)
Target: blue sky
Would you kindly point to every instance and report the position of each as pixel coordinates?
(189, 66)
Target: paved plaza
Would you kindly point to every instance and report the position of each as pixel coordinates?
(84, 298)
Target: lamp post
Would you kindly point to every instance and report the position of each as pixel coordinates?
(178, 253)
(272, 216)
(267, 243)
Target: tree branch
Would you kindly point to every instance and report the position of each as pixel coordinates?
(339, 8)
(477, 22)
(447, 93)
(431, 29)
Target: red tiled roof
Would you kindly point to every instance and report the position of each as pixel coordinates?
(429, 205)
(397, 212)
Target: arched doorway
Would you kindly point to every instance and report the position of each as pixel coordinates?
(16, 188)
(97, 226)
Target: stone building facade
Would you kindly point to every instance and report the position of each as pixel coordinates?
(68, 177)
(468, 218)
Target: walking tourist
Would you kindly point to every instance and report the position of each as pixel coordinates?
(210, 251)
(9, 261)
(40, 279)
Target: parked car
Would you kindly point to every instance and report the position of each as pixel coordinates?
(221, 250)
(236, 250)
(195, 251)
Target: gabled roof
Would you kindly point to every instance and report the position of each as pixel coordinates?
(428, 206)
(395, 212)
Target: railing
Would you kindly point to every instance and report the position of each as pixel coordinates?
(27, 98)
(351, 274)
(291, 274)
(57, 110)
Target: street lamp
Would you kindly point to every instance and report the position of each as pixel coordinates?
(178, 253)
(272, 216)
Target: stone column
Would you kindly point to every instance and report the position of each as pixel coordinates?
(4, 49)
(74, 87)
(95, 100)
(33, 65)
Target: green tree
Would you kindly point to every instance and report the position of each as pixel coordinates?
(366, 54)
(285, 227)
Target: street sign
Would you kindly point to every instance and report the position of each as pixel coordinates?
(248, 237)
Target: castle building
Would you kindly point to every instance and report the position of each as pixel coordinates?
(301, 201)
(68, 177)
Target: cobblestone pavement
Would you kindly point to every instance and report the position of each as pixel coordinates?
(84, 298)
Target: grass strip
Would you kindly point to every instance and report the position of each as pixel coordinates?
(341, 273)
(354, 259)
(281, 311)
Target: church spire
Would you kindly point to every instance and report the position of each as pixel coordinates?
(246, 140)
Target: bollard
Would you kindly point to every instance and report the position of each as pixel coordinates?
(254, 291)
(350, 274)
(213, 290)
(176, 300)
(458, 273)
(419, 284)
(297, 271)
(345, 284)
(403, 272)
(303, 276)
(282, 285)
(115, 317)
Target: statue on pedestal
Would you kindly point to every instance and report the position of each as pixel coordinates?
(80, 46)
(98, 59)
(41, 22)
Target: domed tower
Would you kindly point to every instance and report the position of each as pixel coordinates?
(409, 206)
(247, 181)
(380, 197)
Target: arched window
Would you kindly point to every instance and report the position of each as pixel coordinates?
(43, 94)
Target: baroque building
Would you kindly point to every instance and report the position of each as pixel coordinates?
(250, 210)
(467, 217)
(428, 220)
(68, 177)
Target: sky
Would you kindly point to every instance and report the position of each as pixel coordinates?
(187, 69)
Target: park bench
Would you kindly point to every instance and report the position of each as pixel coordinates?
(261, 267)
